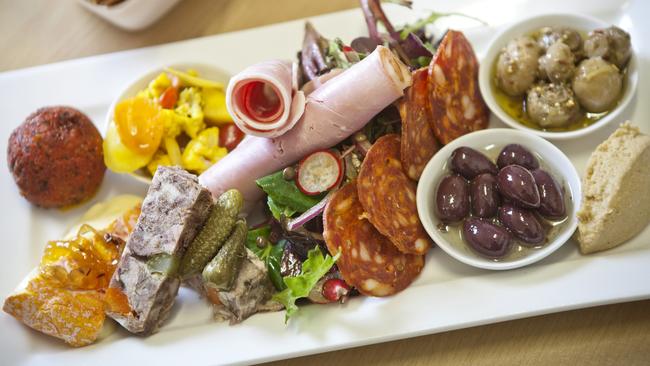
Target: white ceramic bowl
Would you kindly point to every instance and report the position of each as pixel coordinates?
(131, 15)
(205, 71)
(579, 22)
(494, 139)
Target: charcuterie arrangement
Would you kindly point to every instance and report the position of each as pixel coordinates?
(297, 182)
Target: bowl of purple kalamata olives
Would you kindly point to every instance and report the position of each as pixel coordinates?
(499, 198)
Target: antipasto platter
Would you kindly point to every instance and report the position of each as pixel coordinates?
(322, 230)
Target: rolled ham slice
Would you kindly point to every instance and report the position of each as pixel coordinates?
(318, 81)
(264, 99)
(333, 112)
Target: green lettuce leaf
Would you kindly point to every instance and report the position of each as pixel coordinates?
(315, 267)
(271, 254)
(284, 196)
(279, 210)
(336, 56)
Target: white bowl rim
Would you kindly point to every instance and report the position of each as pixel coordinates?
(434, 166)
(497, 43)
(146, 77)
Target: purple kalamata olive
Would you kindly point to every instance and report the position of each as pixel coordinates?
(517, 154)
(522, 223)
(486, 238)
(517, 184)
(452, 198)
(484, 195)
(551, 195)
(469, 163)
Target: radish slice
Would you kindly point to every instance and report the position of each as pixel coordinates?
(319, 172)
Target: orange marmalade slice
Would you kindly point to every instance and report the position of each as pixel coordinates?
(66, 296)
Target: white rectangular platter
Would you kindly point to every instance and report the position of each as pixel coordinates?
(448, 295)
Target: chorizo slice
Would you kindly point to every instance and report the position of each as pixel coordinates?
(388, 197)
(368, 261)
(418, 142)
(456, 101)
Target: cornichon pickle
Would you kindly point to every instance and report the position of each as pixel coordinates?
(217, 227)
(224, 267)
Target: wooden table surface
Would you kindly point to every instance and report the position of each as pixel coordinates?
(34, 32)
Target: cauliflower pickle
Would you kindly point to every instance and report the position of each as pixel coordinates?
(174, 121)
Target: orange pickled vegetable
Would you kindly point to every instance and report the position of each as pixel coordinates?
(139, 124)
(169, 98)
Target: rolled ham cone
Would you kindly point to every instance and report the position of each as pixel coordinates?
(264, 99)
(333, 112)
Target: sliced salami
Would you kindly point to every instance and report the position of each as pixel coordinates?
(418, 142)
(456, 101)
(388, 197)
(368, 261)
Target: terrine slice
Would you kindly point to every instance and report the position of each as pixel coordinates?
(173, 212)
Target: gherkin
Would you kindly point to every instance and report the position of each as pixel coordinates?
(221, 272)
(215, 231)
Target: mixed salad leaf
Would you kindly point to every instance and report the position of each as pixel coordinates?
(299, 251)
(315, 267)
(270, 254)
(284, 197)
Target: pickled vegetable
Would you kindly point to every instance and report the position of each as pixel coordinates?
(214, 106)
(139, 124)
(517, 184)
(222, 270)
(216, 229)
(190, 78)
(230, 136)
(151, 129)
(203, 151)
(557, 64)
(597, 84)
(516, 67)
(452, 198)
(118, 157)
(469, 163)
